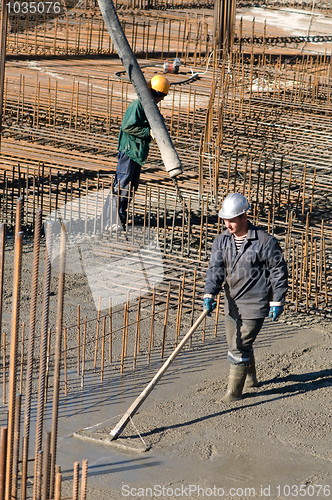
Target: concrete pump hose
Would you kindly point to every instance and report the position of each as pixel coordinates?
(169, 155)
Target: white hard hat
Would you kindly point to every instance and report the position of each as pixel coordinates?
(233, 205)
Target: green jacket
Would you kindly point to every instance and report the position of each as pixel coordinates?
(134, 137)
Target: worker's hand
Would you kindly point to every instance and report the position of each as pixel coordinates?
(275, 312)
(152, 135)
(209, 304)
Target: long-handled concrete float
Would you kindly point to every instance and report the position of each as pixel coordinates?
(120, 426)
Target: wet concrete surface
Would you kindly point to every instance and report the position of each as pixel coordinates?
(277, 439)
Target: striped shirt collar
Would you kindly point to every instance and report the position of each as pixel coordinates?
(239, 240)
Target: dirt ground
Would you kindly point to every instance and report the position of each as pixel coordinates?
(275, 443)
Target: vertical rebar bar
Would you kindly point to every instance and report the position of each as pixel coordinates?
(78, 339)
(2, 262)
(4, 390)
(16, 450)
(13, 361)
(86, 206)
(110, 330)
(96, 207)
(193, 299)
(217, 316)
(76, 474)
(57, 489)
(65, 358)
(43, 347)
(138, 326)
(126, 324)
(46, 467)
(97, 333)
(103, 349)
(3, 44)
(57, 360)
(189, 229)
(84, 479)
(312, 193)
(3, 454)
(151, 339)
(83, 352)
(39, 475)
(165, 320)
(48, 362)
(123, 337)
(206, 225)
(303, 193)
(18, 219)
(178, 313)
(201, 231)
(165, 219)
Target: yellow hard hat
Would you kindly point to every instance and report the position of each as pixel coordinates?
(160, 84)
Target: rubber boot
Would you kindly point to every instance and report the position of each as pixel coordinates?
(251, 380)
(236, 380)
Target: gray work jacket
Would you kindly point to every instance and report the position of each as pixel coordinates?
(252, 278)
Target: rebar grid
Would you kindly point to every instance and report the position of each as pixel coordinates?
(184, 34)
(252, 123)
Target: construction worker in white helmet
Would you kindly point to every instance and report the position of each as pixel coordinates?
(250, 264)
(133, 149)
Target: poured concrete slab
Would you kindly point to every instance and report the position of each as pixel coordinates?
(278, 436)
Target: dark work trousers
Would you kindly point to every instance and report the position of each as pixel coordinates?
(127, 171)
(240, 335)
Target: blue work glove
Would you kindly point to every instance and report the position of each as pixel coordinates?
(209, 304)
(275, 312)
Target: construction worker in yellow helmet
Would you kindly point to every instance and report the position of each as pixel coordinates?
(133, 149)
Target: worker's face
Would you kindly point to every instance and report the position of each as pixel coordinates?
(159, 98)
(238, 225)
